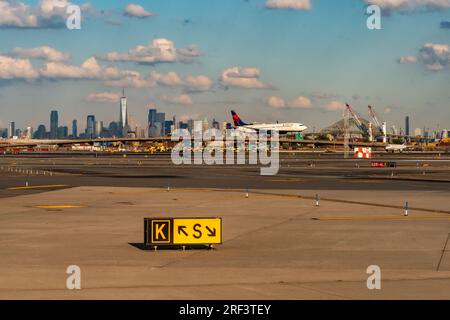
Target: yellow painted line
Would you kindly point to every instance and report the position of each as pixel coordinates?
(287, 180)
(40, 187)
(364, 181)
(381, 218)
(65, 206)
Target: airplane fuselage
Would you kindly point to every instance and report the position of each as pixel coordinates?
(282, 128)
(395, 147)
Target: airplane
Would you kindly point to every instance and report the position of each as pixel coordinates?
(282, 128)
(397, 147)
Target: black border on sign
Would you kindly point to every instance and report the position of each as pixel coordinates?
(169, 233)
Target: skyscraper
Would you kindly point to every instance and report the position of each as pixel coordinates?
(168, 127)
(74, 129)
(407, 126)
(160, 121)
(63, 132)
(54, 125)
(41, 132)
(98, 129)
(30, 132)
(90, 127)
(175, 125)
(123, 113)
(12, 129)
(151, 122)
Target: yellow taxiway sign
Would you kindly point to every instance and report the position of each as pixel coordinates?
(182, 231)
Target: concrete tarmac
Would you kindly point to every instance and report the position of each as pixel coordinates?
(59, 210)
(276, 246)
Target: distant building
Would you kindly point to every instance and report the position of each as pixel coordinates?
(29, 133)
(63, 132)
(156, 123)
(417, 132)
(123, 113)
(3, 133)
(90, 127)
(168, 127)
(98, 129)
(161, 119)
(54, 125)
(113, 129)
(151, 122)
(40, 133)
(175, 124)
(205, 124)
(407, 133)
(12, 129)
(215, 124)
(191, 125)
(183, 125)
(74, 129)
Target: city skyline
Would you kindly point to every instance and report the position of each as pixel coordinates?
(272, 63)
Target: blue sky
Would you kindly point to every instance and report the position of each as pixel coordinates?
(268, 64)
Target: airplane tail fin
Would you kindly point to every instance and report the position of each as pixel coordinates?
(237, 121)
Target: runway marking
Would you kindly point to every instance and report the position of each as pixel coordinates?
(363, 181)
(381, 218)
(443, 253)
(287, 180)
(40, 187)
(65, 206)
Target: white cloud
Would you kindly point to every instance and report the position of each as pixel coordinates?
(47, 13)
(170, 79)
(435, 56)
(190, 83)
(158, 51)
(136, 11)
(108, 97)
(410, 5)
(335, 106)
(407, 60)
(299, 102)
(247, 78)
(180, 99)
(198, 83)
(90, 69)
(131, 79)
(275, 102)
(289, 4)
(44, 52)
(12, 68)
